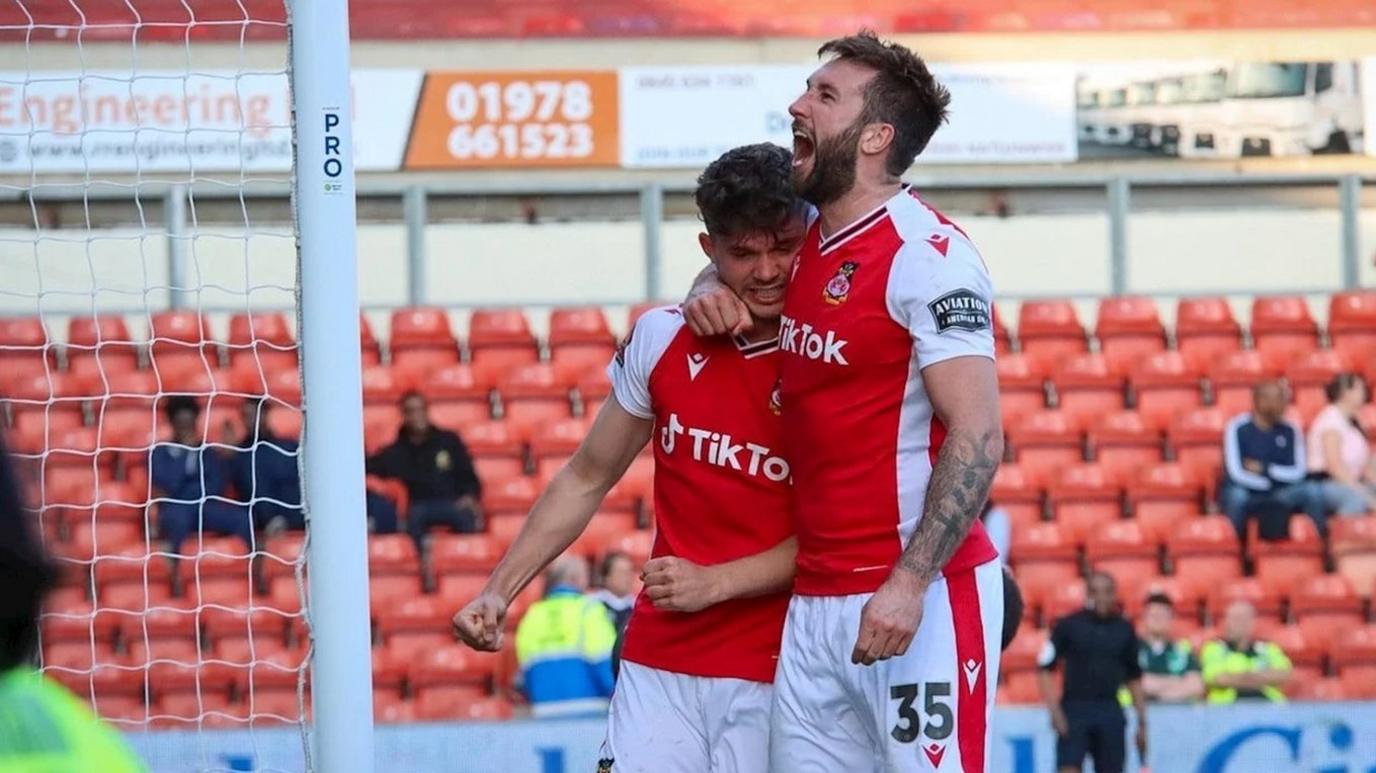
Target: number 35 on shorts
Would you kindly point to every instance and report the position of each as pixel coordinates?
(936, 700)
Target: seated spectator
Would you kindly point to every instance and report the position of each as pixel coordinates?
(1170, 670)
(1340, 458)
(564, 646)
(436, 468)
(265, 472)
(617, 594)
(191, 479)
(267, 475)
(1264, 465)
(1238, 667)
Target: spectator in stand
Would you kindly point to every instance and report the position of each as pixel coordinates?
(564, 646)
(1099, 650)
(267, 476)
(1238, 666)
(437, 470)
(1340, 458)
(617, 594)
(265, 472)
(1170, 670)
(1264, 465)
(45, 727)
(191, 479)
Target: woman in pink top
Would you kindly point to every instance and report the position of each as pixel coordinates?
(1340, 451)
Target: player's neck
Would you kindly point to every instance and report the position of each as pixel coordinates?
(859, 201)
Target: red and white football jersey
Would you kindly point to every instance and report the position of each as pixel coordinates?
(721, 488)
(868, 308)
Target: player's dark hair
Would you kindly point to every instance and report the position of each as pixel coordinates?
(748, 190)
(903, 94)
(181, 403)
(1160, 598)
(28, 572)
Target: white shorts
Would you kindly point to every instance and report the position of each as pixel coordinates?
(925, 711)
(663, 722)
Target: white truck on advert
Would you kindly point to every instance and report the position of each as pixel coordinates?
(1291, 109)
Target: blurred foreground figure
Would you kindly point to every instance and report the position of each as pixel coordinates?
(43, 727)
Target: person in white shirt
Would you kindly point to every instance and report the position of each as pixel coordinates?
(1340, 455)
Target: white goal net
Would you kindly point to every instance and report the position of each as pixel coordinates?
(149, 369)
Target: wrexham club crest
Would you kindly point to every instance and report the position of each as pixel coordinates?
(776, 401)
(838, 289)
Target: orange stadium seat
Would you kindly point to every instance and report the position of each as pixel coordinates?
(601, 533)
(1308, 374)
(262, 665)
(1065, 599)
(1019, 492)
(449, 703)
(498, 448)
(69, 617)
(1084, 496)
(1284, 564)
(1322, 688)
(451, 665)
(29, 430)
(1020, 688)
(1307, 660)
(1165, 385)
(1352, 324)
(1022, 386)
(421, 338)
(501, 338)
(1353, 544)
(1043, 558)
(261, 340)
(509, 498)
(86, 540)
(389, 708)
(132, 564)
(261, 620)
(392, 554)
(1203, 553)
(556, 440)
(593, 390)
(387, 589)
(1022, 652)
(1355, 647)
(637, 544)
(1128, 328)
(371, 350)
(383, 385)
(1232, 377)
(1122, 549)
(638, 310)
(580, 338)
(463, 553)
(1266, 601)
(461, 587)
(281, 553)
(1359, 682)
(421, 614)
(181, 339)
(42, 393)
(1326, 607)
(1282, 327)
(1123, 443)
(462, 392)
(100, 343)
(24, 345)
(1046, 441)
(1086, 386)
(1206, 328)
(534, 394)
(1197, 440)
(1051, 330)
(123, 394)
(1162, 495)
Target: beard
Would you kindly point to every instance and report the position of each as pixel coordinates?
(833, 168)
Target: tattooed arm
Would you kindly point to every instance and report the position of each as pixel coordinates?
(964, 395)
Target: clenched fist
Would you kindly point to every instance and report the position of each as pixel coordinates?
(479, 624)
(679, 585)
(712, 309)
(889, 620)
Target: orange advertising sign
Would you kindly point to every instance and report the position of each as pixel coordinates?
(515, 119)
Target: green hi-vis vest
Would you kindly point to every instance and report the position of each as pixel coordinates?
(46, 729)
(1219, 657)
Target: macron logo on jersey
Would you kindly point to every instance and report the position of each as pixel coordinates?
(696, 362)
(720, 449)
(802, 340)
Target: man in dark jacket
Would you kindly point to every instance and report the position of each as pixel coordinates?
(265, 473)
(436, 469)
(1264, 465)
(190, 480)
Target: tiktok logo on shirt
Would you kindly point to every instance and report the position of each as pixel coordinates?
(802, 340)
(721, 450)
